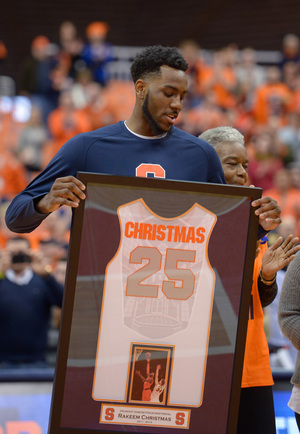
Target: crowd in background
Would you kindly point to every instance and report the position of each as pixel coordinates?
(66, 87)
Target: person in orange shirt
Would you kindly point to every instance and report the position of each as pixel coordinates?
(294, 105)
(220, 78)
(272, 98)
(119, 96)
(256, 411)
(65, 122)
(287, 196)
(13, 177)
(98, 109)
(203, 116)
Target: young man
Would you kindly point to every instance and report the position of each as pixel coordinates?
(146, 144)
(256, 412)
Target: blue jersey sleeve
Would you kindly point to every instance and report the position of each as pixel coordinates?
(21, 215)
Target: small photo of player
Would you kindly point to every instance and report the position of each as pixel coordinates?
(150, 368)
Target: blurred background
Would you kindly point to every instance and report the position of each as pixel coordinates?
(64, 69)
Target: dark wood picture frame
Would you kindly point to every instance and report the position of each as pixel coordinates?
(96, 232)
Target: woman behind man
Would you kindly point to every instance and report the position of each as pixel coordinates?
(256, 411)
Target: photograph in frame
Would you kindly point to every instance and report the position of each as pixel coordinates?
(159, 267)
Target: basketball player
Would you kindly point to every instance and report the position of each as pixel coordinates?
(147, 383)
(147, 144)
(256, 412)
(158, 386)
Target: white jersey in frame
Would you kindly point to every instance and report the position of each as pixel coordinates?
(158, 290)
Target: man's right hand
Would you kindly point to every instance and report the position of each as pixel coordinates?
(64, 191)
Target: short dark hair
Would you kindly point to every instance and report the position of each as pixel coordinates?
(149, 61)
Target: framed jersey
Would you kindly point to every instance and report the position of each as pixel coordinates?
(155, 307)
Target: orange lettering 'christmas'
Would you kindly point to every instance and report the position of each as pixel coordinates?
(177, 234)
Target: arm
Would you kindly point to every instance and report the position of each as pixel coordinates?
(30, 207)
(156, 374)
(140, 375)
(289, 303)
(267, 293)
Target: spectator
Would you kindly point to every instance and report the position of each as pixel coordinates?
(249, 76)
(290, 49)
(97, 52)
(294, 105)
(98, 109)
(289, 75)
(51, 238)
(60, 270)
(271, 98)
(120, 98)
(35, 80)
(190, 50)
(220, 78)
(65, 121)
(289, 321)
(70, 47)
(294, 170)
(207, 114)
(33, 139)
(12, 175)
(52, 250)
(28, 290)
(10, 126)
(264, 160)
(80, 89)
(289, 136)
(3, 55)
(6, 234)
(287, 196)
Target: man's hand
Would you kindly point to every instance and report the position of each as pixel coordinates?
(268, 211)
(64, 191)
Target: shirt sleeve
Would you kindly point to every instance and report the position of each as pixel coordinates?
(289, 303)
(267, 293)
(21, 215)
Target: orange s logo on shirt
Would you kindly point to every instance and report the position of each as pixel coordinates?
(144, 169)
